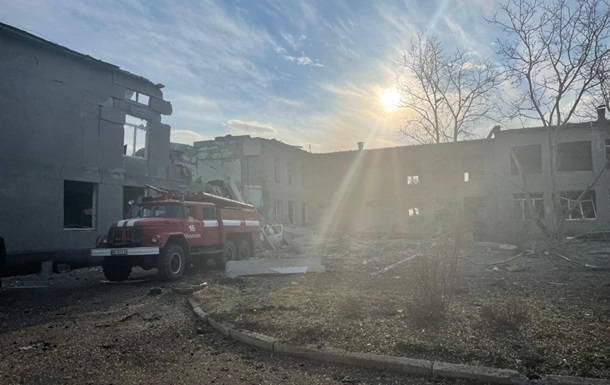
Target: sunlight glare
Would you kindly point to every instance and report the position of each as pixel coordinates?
(390, 99)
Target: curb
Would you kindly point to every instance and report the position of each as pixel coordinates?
(426, 368)
(478, 373)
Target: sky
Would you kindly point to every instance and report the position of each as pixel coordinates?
(308, 73)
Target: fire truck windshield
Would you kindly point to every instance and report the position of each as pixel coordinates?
(161, 211)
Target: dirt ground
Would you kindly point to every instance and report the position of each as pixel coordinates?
(561, 308)
(74, 328)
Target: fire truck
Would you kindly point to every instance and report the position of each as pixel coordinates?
(173, 230)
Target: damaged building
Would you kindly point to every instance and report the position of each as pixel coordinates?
(80, 138)
(415, 188)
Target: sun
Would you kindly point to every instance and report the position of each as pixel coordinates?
(390, 99)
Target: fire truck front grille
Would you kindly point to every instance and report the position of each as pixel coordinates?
(125, 236)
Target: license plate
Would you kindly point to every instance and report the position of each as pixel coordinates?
(118, 252)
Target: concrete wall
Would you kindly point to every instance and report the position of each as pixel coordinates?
(63, 116)
(402, 187)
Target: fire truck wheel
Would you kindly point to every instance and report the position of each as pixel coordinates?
(243, 251)
(172, 262)
(228, 254)
(116, 271)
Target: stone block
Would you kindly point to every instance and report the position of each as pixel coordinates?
(310, 352)
(260, 341)
(394, 364)
(223, 327)
(568, 380)
(478, 373)
(161, 106)
(290, 350)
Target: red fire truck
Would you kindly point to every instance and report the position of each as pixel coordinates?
(173, 230)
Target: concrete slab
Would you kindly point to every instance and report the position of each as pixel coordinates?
(274, 266)
(478, 373)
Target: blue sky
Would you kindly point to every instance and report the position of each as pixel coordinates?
(308, 73)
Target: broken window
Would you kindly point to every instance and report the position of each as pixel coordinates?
(277, 211)
(276, 169)
(576, 210)
(529, 158)
(473, 169)
(137, 97)
(290, 173)
(574, 156)
(79, 205)
(135, 138)
(521, 211)
(412, 179)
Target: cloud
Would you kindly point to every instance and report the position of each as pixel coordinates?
(303, 61)
(255, 128)
(185, 136)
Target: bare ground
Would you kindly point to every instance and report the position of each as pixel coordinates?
(77, 329)
(562, 309)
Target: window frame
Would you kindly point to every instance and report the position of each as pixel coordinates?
(144, 127)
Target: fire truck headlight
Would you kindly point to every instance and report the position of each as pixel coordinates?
(104, 240)
(155, 239)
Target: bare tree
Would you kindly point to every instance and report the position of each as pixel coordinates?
(556, 53)
(447, 94)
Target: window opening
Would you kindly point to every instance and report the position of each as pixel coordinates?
(137, 97)
(529, 157)
(520, 209)
(135, 137)
(574, 156)
(79, 205)
(292, 212)
(278, 211)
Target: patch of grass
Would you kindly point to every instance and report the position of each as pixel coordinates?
(511, 315)
(349, 308)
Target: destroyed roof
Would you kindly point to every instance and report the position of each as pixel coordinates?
(7, 30)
